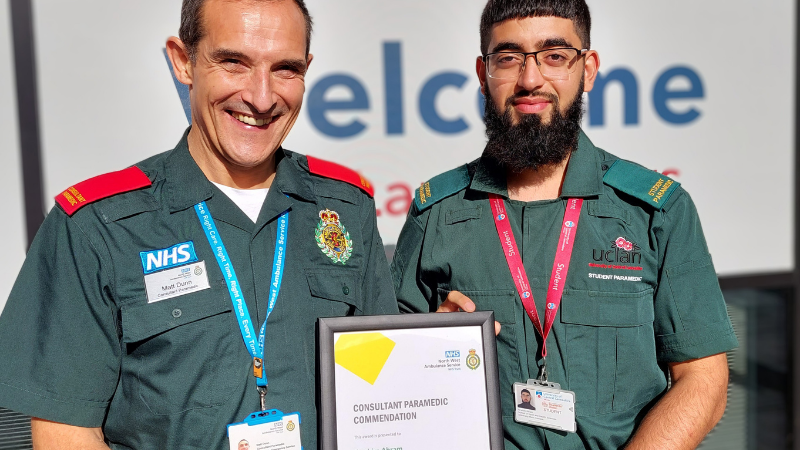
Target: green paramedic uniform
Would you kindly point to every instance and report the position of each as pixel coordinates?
(641, 290)
(83, 346)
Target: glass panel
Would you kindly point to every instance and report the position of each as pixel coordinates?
(757, 415)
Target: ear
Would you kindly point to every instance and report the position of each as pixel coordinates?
(179, 57)
(480, 69)
(308, 60)
(590, 68)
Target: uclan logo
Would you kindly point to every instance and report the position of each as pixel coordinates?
(622, 251)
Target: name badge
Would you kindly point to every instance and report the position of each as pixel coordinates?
(266, 430)
(545, 405)
(176, 282)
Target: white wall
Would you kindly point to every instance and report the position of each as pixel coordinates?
(13, 227)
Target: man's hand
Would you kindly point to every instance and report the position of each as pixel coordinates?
(690, 409)
(58, 436)
(456, 301)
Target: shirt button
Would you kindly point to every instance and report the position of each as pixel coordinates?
(604, 167)
(346, 290)
(176, 313)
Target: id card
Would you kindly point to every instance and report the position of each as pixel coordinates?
(267, 430)
(545, 405)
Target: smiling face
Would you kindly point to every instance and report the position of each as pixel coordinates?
(531, 93)
(246, 87)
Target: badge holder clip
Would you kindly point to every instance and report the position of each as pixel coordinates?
(262, 393)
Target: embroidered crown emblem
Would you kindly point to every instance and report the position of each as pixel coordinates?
(333, 238)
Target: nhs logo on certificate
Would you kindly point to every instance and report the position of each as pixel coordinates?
(452, 354)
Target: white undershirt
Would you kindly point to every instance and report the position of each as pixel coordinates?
(248, 200)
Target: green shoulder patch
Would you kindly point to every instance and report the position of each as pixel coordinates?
(649, 186)
(441, 186)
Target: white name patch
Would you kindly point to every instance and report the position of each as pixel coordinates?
(176, 282)
(614, 277)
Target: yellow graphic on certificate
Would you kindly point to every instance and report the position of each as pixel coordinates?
(363, 354)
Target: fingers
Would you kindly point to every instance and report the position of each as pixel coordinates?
(456, 301)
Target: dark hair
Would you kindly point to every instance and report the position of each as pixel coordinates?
(191, 31)
(497, 11)
(525, 390)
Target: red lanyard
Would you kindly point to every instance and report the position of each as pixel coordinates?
(569, 229)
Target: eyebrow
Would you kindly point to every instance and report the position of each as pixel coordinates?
(506, 46)
(544, 43)
(222, 54)
(296, 64)
(553, 42)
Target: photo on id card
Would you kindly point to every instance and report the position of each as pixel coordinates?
(544, 405)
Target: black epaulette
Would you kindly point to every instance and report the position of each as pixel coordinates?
(649, 186)
(441, 186)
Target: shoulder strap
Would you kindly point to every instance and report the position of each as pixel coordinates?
(649, 186)
(441, 186)
(335, 171)
(100, 187)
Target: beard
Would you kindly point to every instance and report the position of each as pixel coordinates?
(530, 144)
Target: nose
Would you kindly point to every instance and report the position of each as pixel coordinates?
(259, 91)
(531, 77)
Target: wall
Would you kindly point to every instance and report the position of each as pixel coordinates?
(13, 227)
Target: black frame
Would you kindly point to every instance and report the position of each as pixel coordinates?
(327, 382)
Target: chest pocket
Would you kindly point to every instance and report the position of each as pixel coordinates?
(503, 303)
(182, 353)
(335, 292)
(611, 354)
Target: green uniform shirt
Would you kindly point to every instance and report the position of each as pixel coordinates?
(82, 345)
(624, 313)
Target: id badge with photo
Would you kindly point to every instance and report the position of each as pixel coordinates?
(264, 430)
(545, 404)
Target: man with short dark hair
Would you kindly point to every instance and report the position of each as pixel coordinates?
(596, 268)
(525, 397)
(161, 303)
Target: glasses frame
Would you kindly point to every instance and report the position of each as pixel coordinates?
(526, 55)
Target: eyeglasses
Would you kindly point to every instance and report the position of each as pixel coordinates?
(553, 63)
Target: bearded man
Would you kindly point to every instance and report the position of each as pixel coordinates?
(596, 268)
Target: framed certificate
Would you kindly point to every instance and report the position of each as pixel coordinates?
(413, 381)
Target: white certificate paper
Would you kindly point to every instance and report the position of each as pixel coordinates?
(411, 389)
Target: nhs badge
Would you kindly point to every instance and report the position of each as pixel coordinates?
(177, 255)
(452, 354)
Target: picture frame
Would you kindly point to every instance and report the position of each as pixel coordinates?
(392, 381)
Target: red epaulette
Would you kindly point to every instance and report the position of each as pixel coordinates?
(337, 172)
(100, 187)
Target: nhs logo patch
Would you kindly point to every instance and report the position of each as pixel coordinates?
(452, 354)
(176, 255)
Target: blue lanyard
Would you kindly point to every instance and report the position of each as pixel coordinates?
(255, 347)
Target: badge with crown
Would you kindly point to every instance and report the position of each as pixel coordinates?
(473, 360)
(332, 237)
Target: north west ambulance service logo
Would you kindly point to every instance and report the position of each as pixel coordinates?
(473, 361)
(290, 426)
(332, 237)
